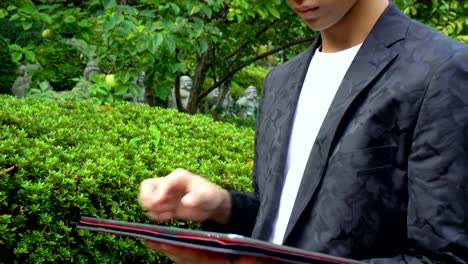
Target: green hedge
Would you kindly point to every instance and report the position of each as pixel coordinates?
(63, 159)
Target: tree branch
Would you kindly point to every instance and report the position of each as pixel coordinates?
(245, 43)
(234, 70)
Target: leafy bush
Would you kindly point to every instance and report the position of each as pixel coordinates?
(5, 3)
(61, 65)
(449, 17)
(14, 31)
(62, 159)
(8, 69)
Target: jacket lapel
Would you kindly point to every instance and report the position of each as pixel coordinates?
(371, 61)
(280, 117)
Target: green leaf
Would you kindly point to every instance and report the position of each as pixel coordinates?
(152, 47)
(147, 13)
(69, 19)
(273, 11)
(121, 90)
(128, 26)
(96, 77)
(142, 46)
(175, 8)
(195, 10)
(207, 10)
(109, 99)
(16, 56)
(125, 76)
(179, 67)
(239, 18)
(30, 57)
(108, 4)
(134, 90)
(45, 18)
(84, 35)
(102, 91)
(27, 25)
(244, 4)
(156, 136)
(43, 86)
(168, 24)
(118, 18)
(159, 39)
(85, 23)
(150, 27)
(129, 10)
(27, 9)
(109, 24)
(170, 44)
(162, 92)
(3, 13)
(203, 45)
(14, 17)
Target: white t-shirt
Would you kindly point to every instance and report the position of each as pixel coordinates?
(324, 76)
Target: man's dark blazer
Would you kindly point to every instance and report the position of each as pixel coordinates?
(387, 177)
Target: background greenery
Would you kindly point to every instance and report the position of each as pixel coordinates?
(211, 41)
(166, 39)
(66, 158)
(8, 69)
(448, 16)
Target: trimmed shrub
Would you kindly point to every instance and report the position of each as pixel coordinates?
(62, 159)
(8, 69)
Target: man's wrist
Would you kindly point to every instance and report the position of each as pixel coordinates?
(222, 214)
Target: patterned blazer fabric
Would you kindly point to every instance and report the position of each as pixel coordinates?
(387, 178)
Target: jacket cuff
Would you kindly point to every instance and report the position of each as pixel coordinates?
(243, 215)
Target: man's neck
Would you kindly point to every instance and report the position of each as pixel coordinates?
(354, 27)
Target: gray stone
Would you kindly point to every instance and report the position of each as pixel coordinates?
(82, 85)
(247, 105)
(22, 82)
(141, 98)
(213, 97)
(185, 87)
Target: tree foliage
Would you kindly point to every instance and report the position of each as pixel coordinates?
(447, 16)
(210, 40)
(8, 69)
(165, 39)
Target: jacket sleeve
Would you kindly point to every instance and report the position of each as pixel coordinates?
(244, 205)
(437, 218)
(243, 214)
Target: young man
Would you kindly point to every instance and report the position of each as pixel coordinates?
(361, 147)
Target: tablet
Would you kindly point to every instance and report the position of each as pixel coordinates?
(210, 241)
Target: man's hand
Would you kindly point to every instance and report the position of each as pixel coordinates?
(185, 196)
(183, 255)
